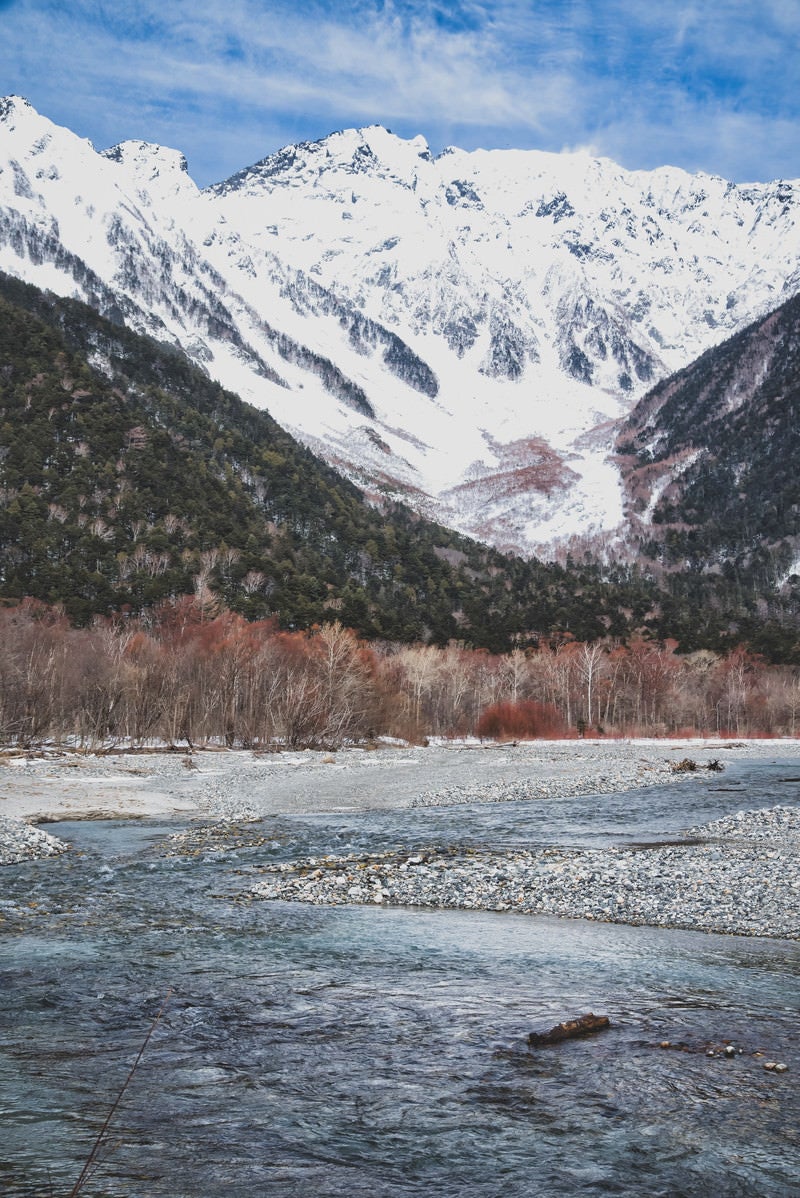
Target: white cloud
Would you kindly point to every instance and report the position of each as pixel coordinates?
(643, 83)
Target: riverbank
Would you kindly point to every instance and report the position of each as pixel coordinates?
(55, 786)
(740, 877)
(217, 784)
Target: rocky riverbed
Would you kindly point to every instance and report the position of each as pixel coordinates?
(231, 786)
(737, 875)
(21, 841)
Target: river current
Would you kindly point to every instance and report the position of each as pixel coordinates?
(383, 1052)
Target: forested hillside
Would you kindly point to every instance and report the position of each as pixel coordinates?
(713, 451)
(136, 479)
(709, 458)
(128, 478)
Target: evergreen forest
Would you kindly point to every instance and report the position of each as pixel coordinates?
(129, 479)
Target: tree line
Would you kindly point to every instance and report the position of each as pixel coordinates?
(180, 677)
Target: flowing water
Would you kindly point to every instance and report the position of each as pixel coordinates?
(383, 1052)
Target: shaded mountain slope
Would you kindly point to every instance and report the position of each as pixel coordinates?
(128, 477)
(709, 457)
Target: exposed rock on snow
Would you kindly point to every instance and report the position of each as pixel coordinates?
(463, 305)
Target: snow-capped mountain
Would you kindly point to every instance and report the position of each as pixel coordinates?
(465, 330)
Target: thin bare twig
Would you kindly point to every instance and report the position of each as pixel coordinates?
(92, 1157)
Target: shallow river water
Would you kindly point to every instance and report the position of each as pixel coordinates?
(383, 1052)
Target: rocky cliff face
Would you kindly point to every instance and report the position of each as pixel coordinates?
(464, 330)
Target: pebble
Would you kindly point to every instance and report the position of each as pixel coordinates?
(20, 841)
(737, 876)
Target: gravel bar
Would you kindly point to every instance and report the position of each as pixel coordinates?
(243, 785)
(20, 841)
(738, 875)
(620, 777)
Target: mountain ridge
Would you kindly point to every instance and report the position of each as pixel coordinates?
(442, 330)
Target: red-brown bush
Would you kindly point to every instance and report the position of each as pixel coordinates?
(524, 720)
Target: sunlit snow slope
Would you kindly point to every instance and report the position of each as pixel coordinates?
(463, 330)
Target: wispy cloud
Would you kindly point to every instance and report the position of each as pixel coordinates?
(712, 86)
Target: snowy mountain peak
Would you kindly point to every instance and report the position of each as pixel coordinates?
(14, 109)
(464, 330)
(23, 126)
(146, 157)
(372, 150)
(14, 106)
(153, 168)
(27, 134)
(399, 155)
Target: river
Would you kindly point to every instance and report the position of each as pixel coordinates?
(376, 1051)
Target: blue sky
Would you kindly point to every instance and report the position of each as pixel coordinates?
(707, 85)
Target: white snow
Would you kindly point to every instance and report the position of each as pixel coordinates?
(522, 255)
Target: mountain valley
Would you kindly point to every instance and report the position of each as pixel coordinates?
(464, 332)
(537, 351)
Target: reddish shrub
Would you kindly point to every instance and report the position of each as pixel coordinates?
(525, 720)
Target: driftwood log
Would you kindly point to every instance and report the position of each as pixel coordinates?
(584, 1025)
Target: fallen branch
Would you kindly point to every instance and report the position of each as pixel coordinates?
(571, 1029)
